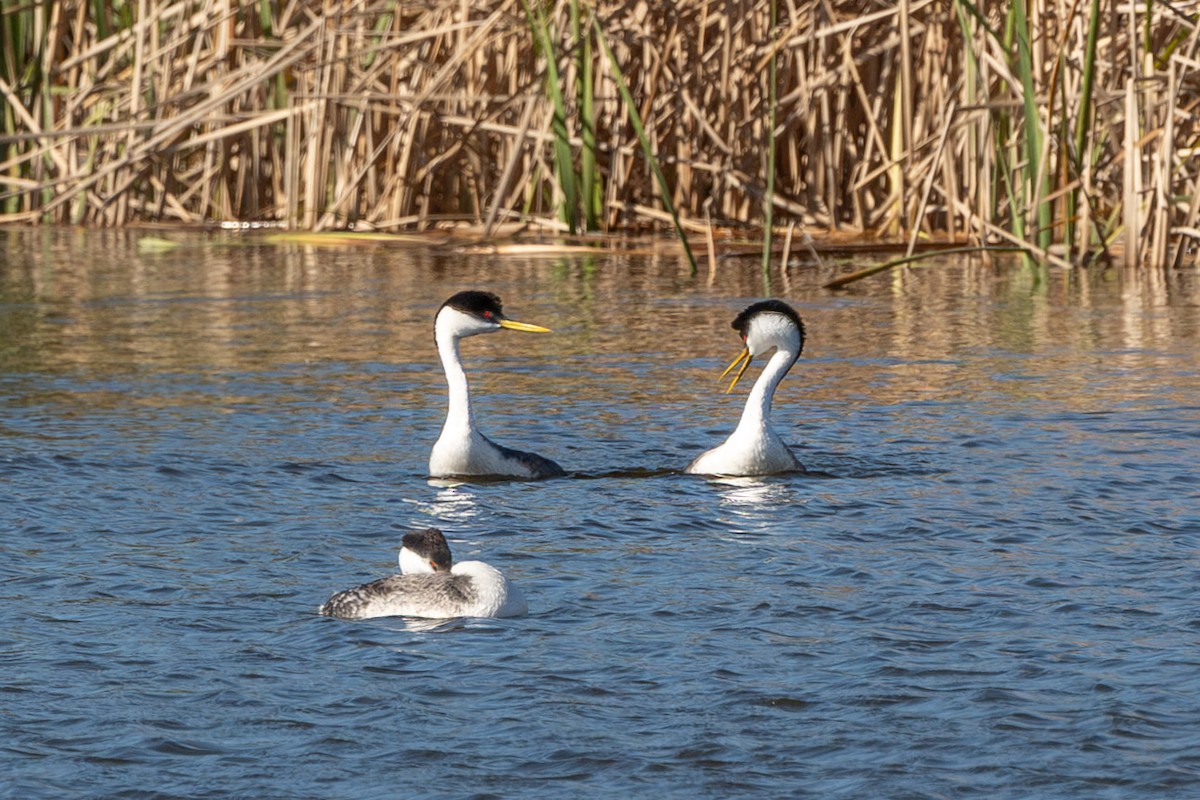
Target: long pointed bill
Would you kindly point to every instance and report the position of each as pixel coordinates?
(745, 354)
(513, 325)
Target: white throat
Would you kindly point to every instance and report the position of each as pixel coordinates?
(413, 564)
(459, 446)
(757, 413)
(459, 417)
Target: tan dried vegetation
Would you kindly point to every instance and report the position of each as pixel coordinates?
(1066, 128)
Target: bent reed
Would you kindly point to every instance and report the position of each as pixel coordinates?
(1064, 128)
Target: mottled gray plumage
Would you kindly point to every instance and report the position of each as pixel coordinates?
(405, 596)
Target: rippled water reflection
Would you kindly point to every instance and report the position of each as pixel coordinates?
(985, 586)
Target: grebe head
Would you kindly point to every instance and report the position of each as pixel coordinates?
(473, 312)
(763, 326)
(425, 551)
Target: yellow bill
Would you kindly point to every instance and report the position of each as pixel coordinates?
(745, 354)
(513, 325)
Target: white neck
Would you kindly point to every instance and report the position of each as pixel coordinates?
(757, 412)
(458, 414)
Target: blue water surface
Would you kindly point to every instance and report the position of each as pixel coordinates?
(984, 586)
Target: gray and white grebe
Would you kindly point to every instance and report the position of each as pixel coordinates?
(462, 450)
(754, 448)
(431, 586)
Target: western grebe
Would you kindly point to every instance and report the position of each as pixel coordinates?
(754, 448)
(430, 586)
(462, 450)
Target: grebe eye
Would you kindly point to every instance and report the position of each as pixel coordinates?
(487, 315)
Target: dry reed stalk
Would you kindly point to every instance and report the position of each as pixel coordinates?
(1132, 184)
(711, 244)
(1163, 158)
(904, 105)
(784, 276)
(1187, 230)
(927, 190)
(387, 115)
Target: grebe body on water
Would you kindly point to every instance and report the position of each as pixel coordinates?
(754, 448)
(431, 586)
(462, 450)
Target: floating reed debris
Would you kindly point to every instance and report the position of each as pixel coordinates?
(1066, 128)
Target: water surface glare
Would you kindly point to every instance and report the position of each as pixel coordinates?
(984, 587)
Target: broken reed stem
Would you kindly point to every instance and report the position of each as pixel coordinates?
(390, 116)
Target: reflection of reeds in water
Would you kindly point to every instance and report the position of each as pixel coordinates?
(1060, 128)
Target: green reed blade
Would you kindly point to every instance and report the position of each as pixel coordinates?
(1083, 122)
(635, 119)
(564, 166)
(589, 178)
(1035, 176)
(100, 19)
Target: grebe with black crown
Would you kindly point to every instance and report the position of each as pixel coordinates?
(430, 586)
(754, 448)
(462, 450)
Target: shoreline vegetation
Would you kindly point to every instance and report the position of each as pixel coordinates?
(1064, 129)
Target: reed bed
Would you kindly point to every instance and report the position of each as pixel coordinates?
(1064, 128)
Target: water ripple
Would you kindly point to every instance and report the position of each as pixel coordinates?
(984, 586)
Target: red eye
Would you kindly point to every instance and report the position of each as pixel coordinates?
(487, 315)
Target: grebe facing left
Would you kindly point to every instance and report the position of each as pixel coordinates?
(430, 586)
(754, 448)
(462, 450)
